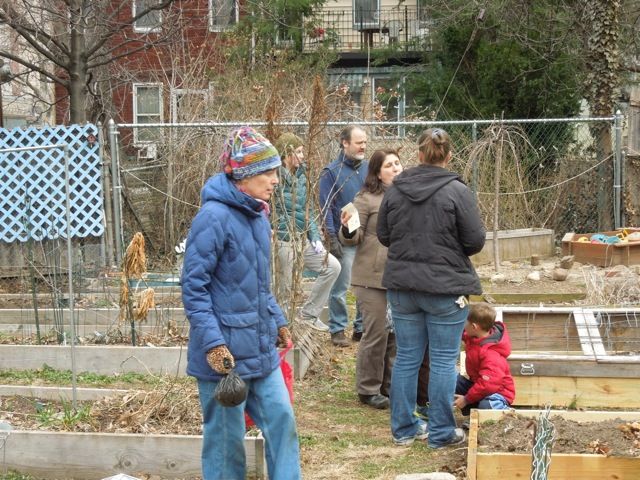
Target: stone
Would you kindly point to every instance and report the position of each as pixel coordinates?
(426, 476)
(498, 278)
(560, 274)
(534, 276)
(566, 262)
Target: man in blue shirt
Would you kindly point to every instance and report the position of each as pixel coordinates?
(339, 183)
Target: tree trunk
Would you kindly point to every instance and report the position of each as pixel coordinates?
(78, 66)
(602, 82)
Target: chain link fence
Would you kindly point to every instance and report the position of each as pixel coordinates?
(552, 173)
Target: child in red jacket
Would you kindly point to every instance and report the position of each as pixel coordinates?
(487, 345)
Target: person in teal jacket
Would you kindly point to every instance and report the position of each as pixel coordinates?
(297, 232)
(235, 322)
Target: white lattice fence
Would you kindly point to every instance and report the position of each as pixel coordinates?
(32, 190)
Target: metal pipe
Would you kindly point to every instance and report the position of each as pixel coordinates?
(115, 190)
(617, 170)
(67, 190)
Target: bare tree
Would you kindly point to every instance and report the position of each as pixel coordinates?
(72, 39)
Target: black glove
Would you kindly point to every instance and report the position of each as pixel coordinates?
(335, 247)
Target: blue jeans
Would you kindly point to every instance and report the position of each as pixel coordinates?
(495, 401)
(223, 429)
(424, 321)
(338, 313)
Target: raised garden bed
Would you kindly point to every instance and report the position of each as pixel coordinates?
(51, 454)
(574, 357)
(517, 244)
(601, 254)
(488, 464)
(163, 325)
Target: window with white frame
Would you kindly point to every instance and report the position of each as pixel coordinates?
(222, 14)
(147, 108)
(152, 21)
(188, 105)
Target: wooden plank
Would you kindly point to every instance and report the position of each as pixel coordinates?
(593, 333)
(577, 392)
(563, 467)
(574, 415)
(98, 455)
(570, 366)
(583, 332)
(106, 360)
(472, 453)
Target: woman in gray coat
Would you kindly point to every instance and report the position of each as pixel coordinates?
(377, 350)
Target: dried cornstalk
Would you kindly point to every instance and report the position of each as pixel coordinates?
(146, 300)
(135, 259)
(124, 297)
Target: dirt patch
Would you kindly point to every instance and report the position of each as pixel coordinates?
(515, 434)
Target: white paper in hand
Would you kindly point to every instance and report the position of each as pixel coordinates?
(354, 222)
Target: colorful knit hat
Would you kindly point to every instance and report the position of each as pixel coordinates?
(247, 153)
(287, 143)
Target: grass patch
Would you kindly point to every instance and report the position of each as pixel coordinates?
(50, 376)
(342, 438)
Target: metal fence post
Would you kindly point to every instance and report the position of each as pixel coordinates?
(617, 170)
(115, 190)
(474, 179)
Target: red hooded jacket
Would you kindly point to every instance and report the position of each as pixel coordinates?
(487, 366)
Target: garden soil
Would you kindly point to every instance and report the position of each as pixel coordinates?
(515, 434)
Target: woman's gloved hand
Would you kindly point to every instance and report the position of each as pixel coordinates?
(284, 337)
(220, 359)
(335, 247)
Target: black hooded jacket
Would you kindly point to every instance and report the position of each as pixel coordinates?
(430, 221)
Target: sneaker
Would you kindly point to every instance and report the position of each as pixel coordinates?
(316, 324)
(339, 340)
(458, 437)
(421, 434)
(465, 425)
(422, 412)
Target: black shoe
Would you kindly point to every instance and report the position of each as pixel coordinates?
(376, 401)
(339, 340)
(356, 336)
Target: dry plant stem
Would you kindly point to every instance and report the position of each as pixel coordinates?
(134, 265)
(496, 207)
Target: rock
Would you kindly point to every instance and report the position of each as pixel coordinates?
(426, 476)
(535, 260)
(498, 278)
(560, 274)
(566, 262)
(535, 276)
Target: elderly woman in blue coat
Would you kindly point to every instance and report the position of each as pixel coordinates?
(235, 321)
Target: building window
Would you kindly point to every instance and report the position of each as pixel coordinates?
(152, 21)
(188, 105)
(222, 14)
(147, 108)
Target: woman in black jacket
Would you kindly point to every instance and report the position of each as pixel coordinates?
(429, 220)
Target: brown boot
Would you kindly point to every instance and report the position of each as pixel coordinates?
(339, 340)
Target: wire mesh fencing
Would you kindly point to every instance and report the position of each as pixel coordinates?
(553, 173)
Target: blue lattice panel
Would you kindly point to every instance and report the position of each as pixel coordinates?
(32, 185)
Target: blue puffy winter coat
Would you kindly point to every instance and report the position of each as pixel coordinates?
(340, 181)
(226, 280)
